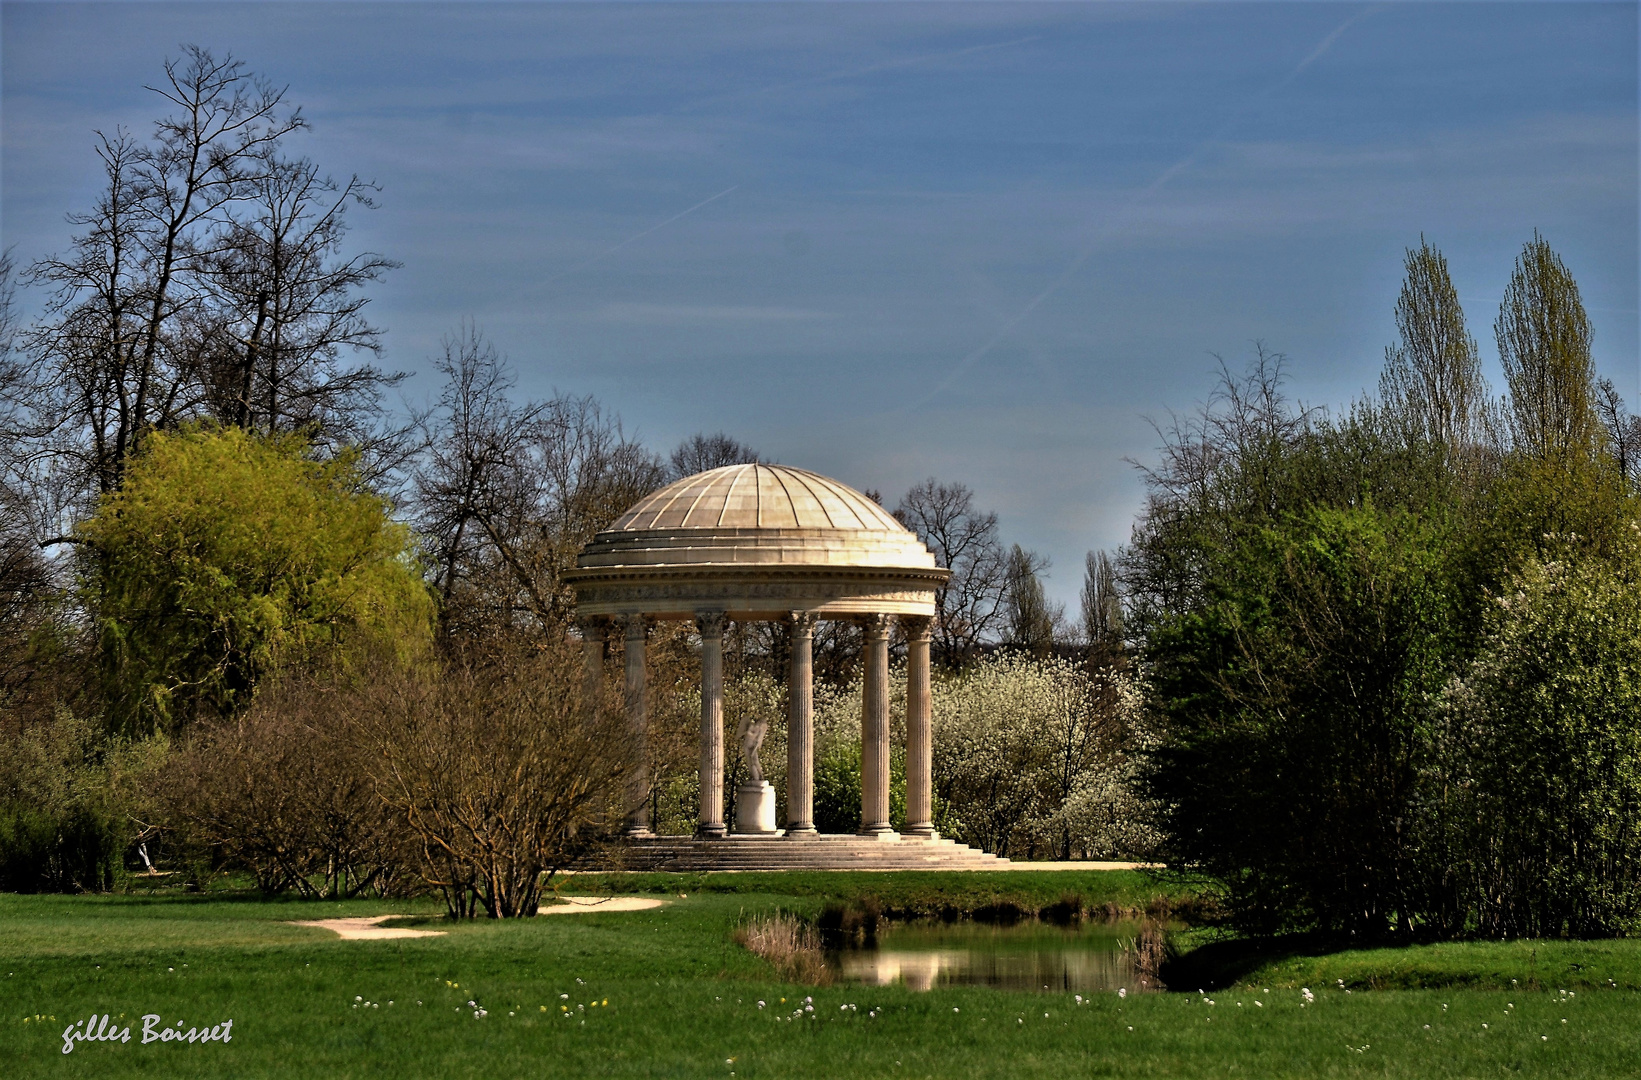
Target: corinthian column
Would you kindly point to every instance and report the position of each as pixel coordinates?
(800, 728)
(638, 722)
(592, 653)
(874, 731)
(919, 745)
(711, 626)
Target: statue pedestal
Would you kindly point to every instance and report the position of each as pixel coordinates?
(755, 809)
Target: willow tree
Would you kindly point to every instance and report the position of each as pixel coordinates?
(227, 555)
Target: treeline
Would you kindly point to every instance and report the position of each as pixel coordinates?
(257, 620)
(1395, 654)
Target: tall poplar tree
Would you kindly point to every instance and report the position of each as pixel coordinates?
(1544, 344)
(1432, 381)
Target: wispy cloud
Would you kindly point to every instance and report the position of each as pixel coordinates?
(638, 314)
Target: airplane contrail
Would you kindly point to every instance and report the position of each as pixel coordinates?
(851, 73)
(1077, 263)
(607, 252)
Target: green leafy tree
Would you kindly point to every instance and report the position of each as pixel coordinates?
(225, 555)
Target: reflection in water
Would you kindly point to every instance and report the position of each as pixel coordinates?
(1026, 957)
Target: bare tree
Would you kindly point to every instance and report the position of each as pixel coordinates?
(207, 281)
(1432, 382)
(1220, 466)
(285, 305)
(1101, 603)
(126, 306)
(699, 452)
(507, 492)
(1544, 343)
(1623, 430)
(1031, 621)
(969, 605)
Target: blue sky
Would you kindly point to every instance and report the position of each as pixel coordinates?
(977, 241)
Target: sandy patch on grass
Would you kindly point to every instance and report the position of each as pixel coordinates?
(581, 905)
(369, 929)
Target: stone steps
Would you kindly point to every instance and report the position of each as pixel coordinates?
(821, 852)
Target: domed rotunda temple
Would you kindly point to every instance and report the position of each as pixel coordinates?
(768, 543)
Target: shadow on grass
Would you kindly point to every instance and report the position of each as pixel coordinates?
(1216, 965)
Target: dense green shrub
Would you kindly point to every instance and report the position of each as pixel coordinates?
(1301, 722)
(76, 850)
(69, 798)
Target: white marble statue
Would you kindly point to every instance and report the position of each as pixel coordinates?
(751, 735)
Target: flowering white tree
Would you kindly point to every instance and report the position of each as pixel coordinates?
(1032, 757)
(1549, 726)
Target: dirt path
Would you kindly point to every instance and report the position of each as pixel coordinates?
(371, 928)
(582, 905)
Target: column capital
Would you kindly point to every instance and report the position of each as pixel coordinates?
(802, 622)
(635, 627)
(916, 627)
(875, 627)
(591, 627)
(711, 623)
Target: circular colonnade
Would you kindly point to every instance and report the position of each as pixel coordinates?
(768, 543)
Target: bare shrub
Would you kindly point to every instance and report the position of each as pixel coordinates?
(498, 769)
(790, 944)
(286, 791)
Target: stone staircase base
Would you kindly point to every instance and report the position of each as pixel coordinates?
(821, 851)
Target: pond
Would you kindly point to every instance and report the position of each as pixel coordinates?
(1092, 957)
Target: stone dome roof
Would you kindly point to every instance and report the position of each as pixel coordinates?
(756, 497)
(756, 539)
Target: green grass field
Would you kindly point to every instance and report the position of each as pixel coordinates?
(683, 998)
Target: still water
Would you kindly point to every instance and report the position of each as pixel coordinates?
(1094, 957)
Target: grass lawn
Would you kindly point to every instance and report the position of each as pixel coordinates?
(682, 998)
